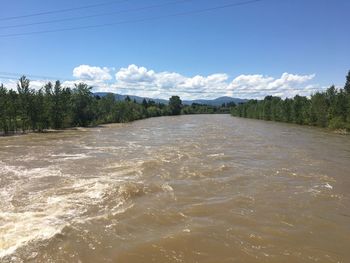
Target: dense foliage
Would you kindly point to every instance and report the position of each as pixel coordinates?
(57, 107)
(325, 109)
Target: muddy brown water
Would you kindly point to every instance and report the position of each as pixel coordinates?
(203, 188)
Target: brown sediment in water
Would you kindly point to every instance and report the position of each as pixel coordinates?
(208, 188)
(342, 131)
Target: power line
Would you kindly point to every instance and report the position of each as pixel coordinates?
(96, 15)
(12, 76)
(133, 21)
(61, 10)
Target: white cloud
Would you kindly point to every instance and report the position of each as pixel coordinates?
(143, 82)
(135, 80)
(9, 83)
(86, 72)
(259, 86)
(12, 83)
(167, 80)
(135, 74)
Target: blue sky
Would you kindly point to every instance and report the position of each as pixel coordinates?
(278, 47)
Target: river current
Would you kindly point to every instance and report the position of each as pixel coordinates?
(197, 188)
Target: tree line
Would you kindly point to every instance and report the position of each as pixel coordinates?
(330, 108)
(58, 107)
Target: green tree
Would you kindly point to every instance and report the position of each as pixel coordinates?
(175, 105)
(267, 111)
(12, 110)
(347, 83)
(57, 106)
(39, 111)
(347, 91)
(301, 110)
(3, 109)
(106, 105)
(82, 105)
(319, 109)
(24, 101)
(144, 103)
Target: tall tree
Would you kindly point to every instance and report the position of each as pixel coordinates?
(24, 101)
(57, 107)
(3, 109)
(82, 105)
(175, 104)
(319, 109)
(39, 110)
(12, 110)
(347, 83)
(144, 103)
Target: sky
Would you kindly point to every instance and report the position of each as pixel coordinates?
(192, 48)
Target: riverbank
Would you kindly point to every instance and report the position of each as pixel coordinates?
(341, 131)
(50, 130)
(21, 133)
(332, 130)
(38, 111)
(326, 109)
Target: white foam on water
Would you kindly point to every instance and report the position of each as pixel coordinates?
(48, 217)
(22, 171)
(216, 154)
(167, 188)
(65, 156)
(17, 229)
(6, 196)
(327, 185)
(319, 189)
(51, 209)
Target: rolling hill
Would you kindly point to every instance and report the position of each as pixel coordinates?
(214, 102)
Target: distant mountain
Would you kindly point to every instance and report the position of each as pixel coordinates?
(216, 102)
(213, 102)
(132, 97)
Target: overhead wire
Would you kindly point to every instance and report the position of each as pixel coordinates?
(61, 10)
(95, 15)
(11, 75)
(186, 13)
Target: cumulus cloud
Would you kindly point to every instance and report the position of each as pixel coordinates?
(143, 82)
(137, 80)
(259, 86)
(86, 72)
(97, 77)
(12, 83)
(135, 74)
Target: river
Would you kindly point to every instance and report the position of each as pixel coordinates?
(200, 188)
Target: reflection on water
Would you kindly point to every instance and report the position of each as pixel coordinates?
(207, 188)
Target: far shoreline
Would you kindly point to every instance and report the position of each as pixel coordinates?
(103, 125)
